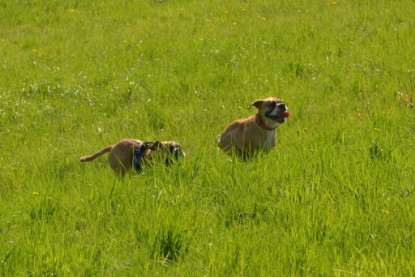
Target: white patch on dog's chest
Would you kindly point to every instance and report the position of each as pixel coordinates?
(269, 140)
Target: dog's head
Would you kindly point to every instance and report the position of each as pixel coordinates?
(167, 151)
(272, 111)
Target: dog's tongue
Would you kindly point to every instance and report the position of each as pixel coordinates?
(286, 114)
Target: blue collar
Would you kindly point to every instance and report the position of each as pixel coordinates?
(138, 154)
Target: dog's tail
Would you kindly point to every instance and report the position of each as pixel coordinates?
(97, 154)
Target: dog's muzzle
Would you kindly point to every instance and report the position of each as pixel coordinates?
(176, 153)
(282, 107)
(277, 113)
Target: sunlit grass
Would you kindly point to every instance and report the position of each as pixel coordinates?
(335, 197)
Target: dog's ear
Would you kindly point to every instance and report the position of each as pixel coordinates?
(258, 103)
(156, 145)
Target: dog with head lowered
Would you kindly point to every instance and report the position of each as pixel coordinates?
(246, 136)
(132, 153)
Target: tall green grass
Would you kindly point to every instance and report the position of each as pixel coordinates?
(335, 197)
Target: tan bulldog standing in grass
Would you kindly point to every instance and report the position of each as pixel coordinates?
(246, 136)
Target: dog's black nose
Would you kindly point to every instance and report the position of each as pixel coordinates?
(282, 106)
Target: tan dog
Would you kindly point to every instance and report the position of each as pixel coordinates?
(246, 136)
(129, 153)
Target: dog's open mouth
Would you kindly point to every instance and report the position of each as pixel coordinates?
(280, 118)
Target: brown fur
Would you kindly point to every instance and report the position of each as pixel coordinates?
(246, 136)
(121, 154)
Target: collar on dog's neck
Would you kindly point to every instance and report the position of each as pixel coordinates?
(138, 154)
(262, 124)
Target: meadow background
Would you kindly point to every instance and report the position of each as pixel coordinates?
(334, 198)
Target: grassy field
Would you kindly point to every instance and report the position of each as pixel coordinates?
(334, 198)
